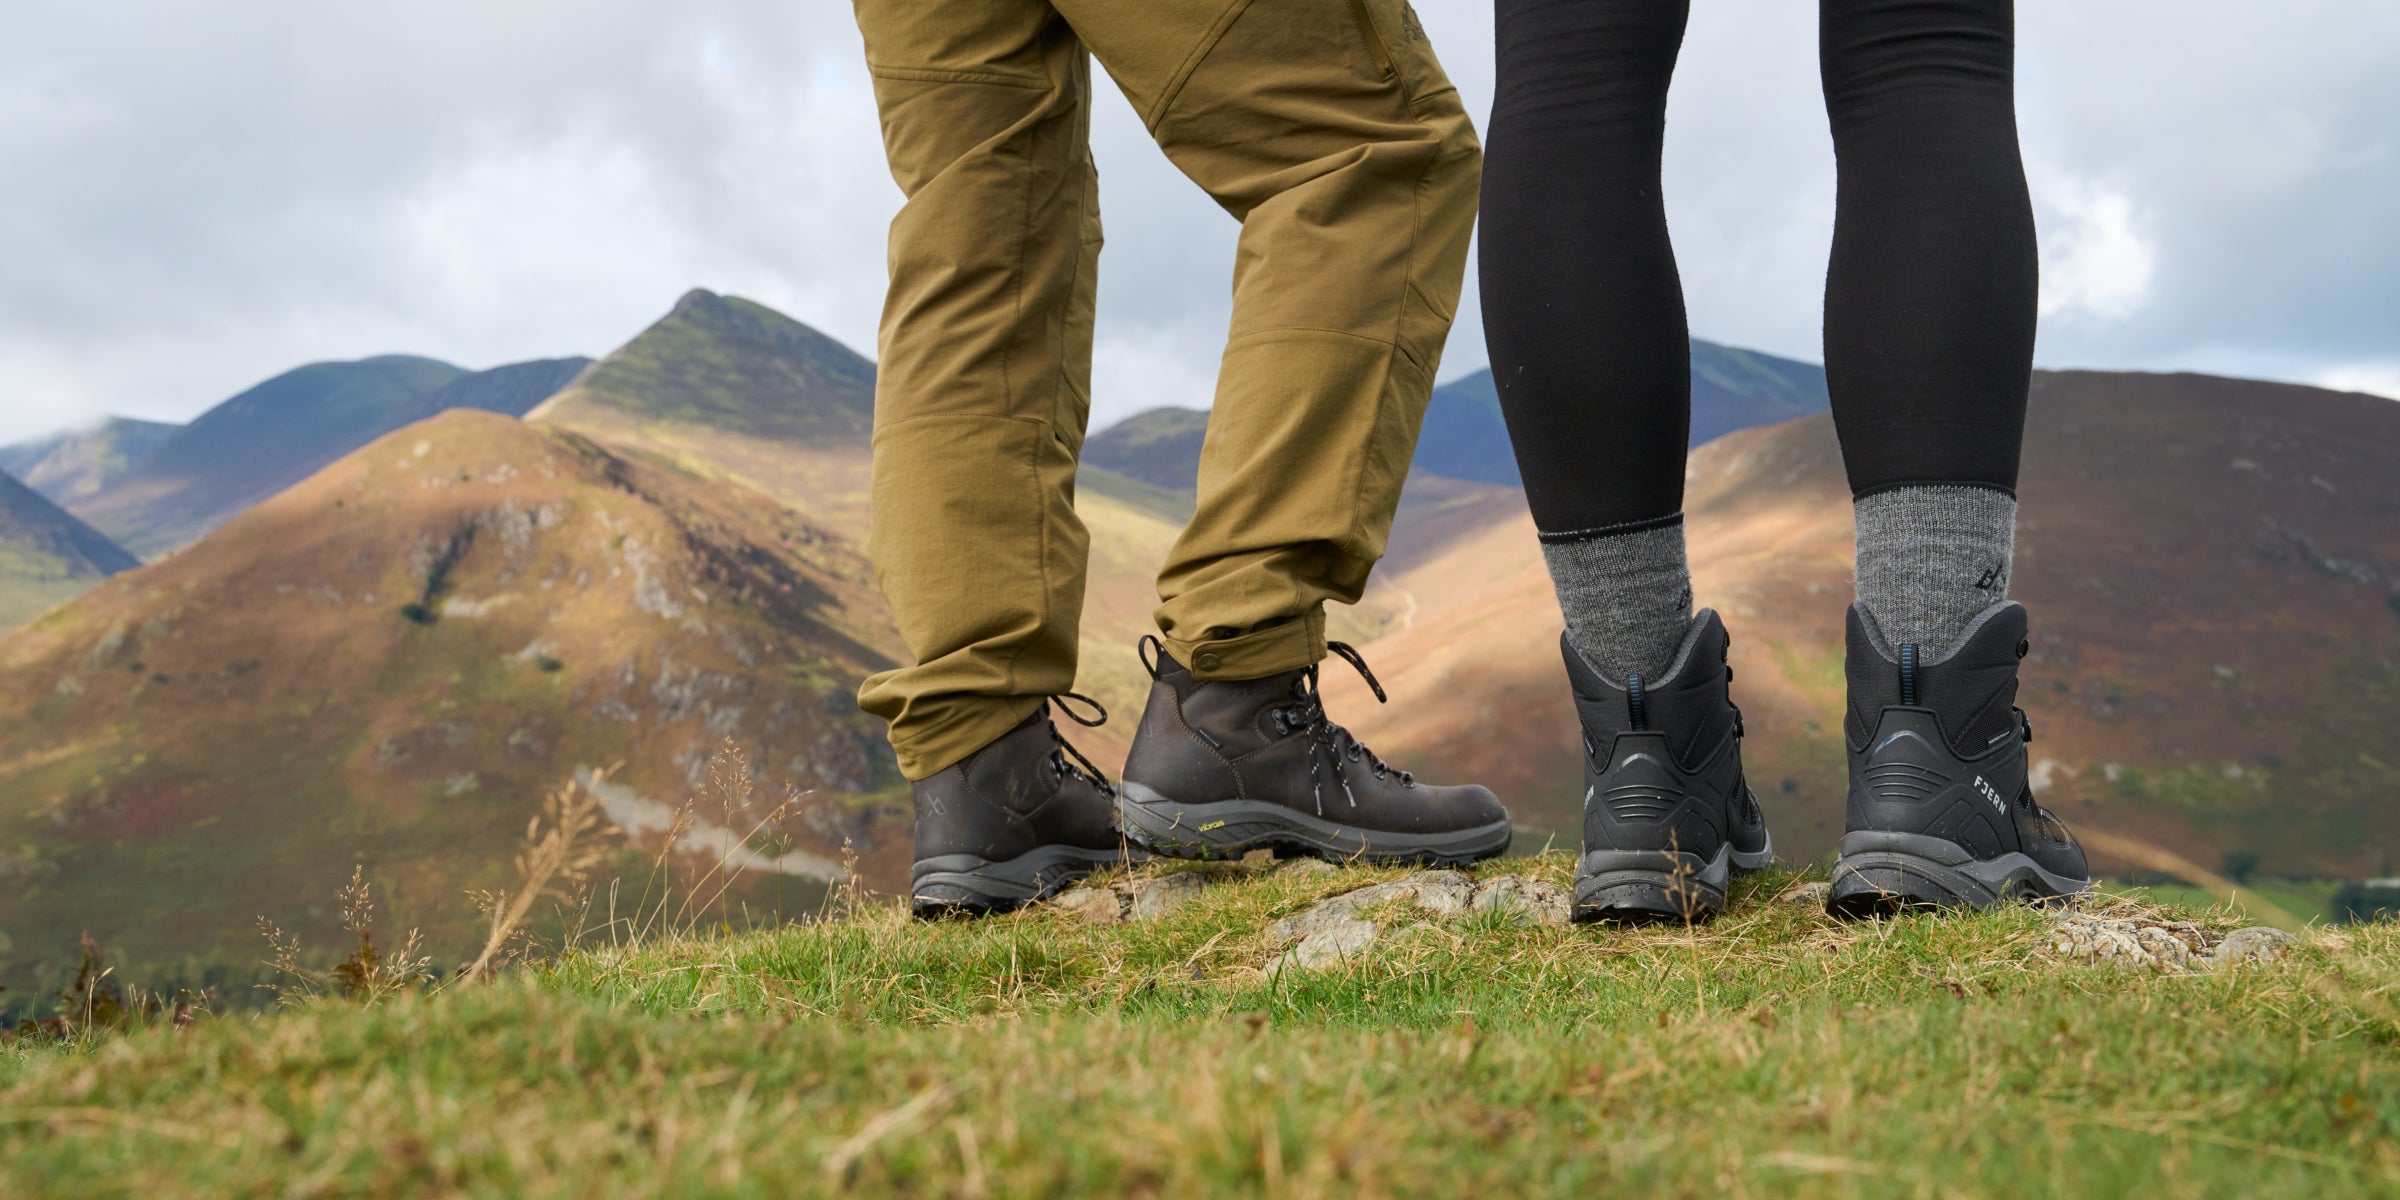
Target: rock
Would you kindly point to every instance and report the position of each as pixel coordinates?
(1098, 905)
(1306, 866)
(1543, 903)
(1332, 929)
(1442, 892)
(1807, 895)
(1131, 899)
(2255, 943)
(1331, 944)
(2141, 944)
(1153, 897)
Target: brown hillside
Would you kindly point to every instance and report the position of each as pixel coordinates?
(2211, 565)
(390, 662)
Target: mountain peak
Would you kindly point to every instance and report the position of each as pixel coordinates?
(730, 365)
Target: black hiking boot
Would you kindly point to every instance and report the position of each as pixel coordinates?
(1222, 767)
(1668, 817)
(1940, 811)
(1012, 823)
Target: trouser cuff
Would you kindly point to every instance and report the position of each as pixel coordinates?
(1272, 650)
(938, 733)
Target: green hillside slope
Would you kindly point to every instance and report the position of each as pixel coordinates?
(46, 555)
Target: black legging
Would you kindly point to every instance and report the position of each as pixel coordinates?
(1929, 301)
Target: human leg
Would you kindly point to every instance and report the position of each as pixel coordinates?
(985, 361)
(1584, 315)
(1328, 129)
(1929, 322)
(981, 396)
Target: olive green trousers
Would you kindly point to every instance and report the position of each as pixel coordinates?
(1327, 128)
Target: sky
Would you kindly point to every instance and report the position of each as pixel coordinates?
(196, 197)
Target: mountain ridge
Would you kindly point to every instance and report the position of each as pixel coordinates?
(278, 432)
(1465, 436)
(73, 464)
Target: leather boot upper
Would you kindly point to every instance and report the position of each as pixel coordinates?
(1269, 739)
(1017, 793)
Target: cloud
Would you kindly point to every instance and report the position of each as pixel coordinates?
(2096, 259)
(200, 196)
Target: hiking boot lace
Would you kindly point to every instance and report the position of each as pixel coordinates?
(1340, 745)
(1066, 760)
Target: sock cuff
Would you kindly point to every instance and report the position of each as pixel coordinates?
(1910, 485)
(1565, 537)
(1973, 505)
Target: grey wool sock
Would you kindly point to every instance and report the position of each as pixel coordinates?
(1627, 595)
(1932, 557)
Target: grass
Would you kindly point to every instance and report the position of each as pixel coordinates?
(2307, 899)
(1776, 1052)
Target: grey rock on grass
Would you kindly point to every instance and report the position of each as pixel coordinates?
(2143, 944)
(1131, 899)
(1330, 944)
(1332, 932)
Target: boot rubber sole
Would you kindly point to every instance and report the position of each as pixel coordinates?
(1642, 886)
(954, 885)
(1879, 874)
(1231, 828)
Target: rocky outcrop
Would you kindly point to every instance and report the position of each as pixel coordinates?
(2140, 943)
(1120, 900)
(1333, 931)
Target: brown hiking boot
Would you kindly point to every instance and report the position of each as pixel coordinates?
(1013, 822)
(1222, 767)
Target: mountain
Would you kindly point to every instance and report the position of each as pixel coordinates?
(1464, 435)
(513, 390)
(46, 555)
(1159, 447)
(257, 444)
(281, 431)
(725, 364)
(2213, 570)
(71, 466)
(392, 661)
(1743, 389)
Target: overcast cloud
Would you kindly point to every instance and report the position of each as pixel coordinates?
(194, 197)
